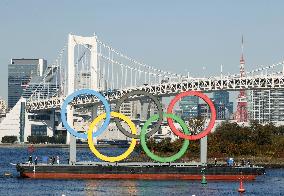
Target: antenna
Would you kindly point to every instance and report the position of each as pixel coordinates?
(242, 44)
(242, 61)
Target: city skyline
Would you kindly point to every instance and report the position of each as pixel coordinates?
(172, 36)
(114, 97)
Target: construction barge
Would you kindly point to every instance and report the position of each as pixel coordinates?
(140, 171)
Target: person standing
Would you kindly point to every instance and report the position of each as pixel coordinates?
(57, 160)
(243, 162)
(35, 160)
(53, 160)
(30, 159)
(50, 160)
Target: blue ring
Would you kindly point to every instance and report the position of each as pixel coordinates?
(70, 99)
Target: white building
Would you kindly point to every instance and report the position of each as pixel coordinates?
(22, 84)
(22, 124)
(3, 108)
(267, 106)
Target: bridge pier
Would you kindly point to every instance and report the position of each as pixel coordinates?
(72, 149)
(203, 150)
(94, 114)
(71, 140)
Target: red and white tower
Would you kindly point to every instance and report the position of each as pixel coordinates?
(242, 112)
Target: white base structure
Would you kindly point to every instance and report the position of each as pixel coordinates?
(203, 150)
(10, 125)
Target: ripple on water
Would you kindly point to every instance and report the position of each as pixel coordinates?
(270, 184)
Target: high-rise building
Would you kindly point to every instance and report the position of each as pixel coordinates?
(266, 106)
(224, 108)
(20, 72)
(221, 97)
(204, 110)
(189, 107)
(128, 109)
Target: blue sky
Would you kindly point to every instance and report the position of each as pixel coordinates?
(173, 35)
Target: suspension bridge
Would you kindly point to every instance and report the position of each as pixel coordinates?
(91, 63)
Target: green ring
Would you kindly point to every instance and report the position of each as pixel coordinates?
(152, 155)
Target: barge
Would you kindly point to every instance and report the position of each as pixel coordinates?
(142, 171)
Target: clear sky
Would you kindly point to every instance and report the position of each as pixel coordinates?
(178, 36)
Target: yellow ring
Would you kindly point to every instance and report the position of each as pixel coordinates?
(91, 143)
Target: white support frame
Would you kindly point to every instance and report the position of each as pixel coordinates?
(74, 40)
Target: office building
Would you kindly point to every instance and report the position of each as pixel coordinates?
(204, 110)
(189, 107)
(266, 106)
(224, 108)
(20, 72)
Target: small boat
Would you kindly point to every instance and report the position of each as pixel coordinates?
(8, 174)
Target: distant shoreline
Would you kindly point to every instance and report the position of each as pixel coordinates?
(54, 145)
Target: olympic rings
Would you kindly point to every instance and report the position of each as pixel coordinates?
(156, 157)
(70, 99)
(212, 120)
(156, 101)
(96, 152)
(157, 117)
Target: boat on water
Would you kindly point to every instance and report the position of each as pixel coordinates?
(143, 171)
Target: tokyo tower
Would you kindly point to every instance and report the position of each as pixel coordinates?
(242, 112)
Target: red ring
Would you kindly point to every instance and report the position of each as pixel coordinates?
(212, 120)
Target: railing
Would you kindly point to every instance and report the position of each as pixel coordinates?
(169, 89)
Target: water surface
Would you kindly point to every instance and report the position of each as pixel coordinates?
(270, 184)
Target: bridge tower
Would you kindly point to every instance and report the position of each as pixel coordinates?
(242, 112)
(91, 42)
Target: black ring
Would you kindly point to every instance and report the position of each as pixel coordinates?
(156, 101)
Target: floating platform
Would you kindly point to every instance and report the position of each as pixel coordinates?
(143, 171)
